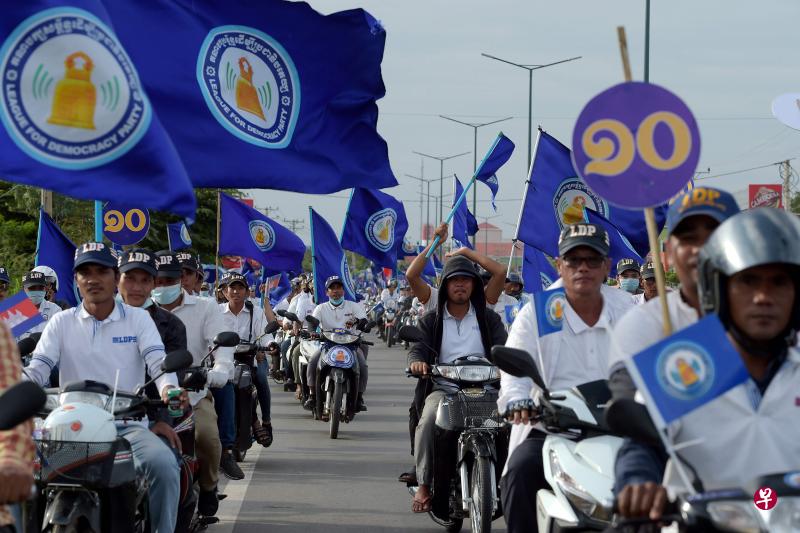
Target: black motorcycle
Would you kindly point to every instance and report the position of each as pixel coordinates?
(471, 441)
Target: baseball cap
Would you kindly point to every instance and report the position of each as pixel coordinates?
(94, 252)
(514, 278)
(4, 275)
(708, 201)
(627, 264)
(648, 270)
(187, 260)
(234, 277)
(583, 234)
(138, 258)
(33, 278)
(333, 279)
(167, 265)
(459, 266)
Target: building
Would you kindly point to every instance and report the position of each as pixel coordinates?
(490, 241)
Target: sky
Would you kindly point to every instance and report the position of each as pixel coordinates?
(727, 59)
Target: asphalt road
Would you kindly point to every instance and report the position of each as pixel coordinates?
(306, 482)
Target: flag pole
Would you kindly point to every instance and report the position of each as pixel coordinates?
(38, 237)
(313, 260)
(216, 255)
(169, 241)
(98, 221)
(524, 199)
(346, 212)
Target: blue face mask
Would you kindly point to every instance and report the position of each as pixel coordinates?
(337, 301)
(37, 297)
(166, 295)
(147, 303)
(629, 284)
(204, 294)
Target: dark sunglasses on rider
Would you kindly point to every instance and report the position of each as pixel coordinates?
(592, 261)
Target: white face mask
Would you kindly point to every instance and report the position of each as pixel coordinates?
(166, 295)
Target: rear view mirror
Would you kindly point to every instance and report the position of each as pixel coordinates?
(26, 346)
(272, 327)
(19, 403)
(517, 363)
(630, 419)
(311, 319)
(177, 360)
(281, 312)
(291, 316)
(411, 334)
(227, 339)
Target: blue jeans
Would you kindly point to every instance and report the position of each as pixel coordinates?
(225, 405)
(285, 345)
(155, 459)
(262, 388)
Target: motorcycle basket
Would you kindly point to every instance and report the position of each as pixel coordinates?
(462, 411)
(86, 463)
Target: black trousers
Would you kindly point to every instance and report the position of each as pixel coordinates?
(523, 480)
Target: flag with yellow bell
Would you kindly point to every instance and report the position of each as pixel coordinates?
(375, 226)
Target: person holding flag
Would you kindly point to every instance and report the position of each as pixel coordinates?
(571, 354)
(35, 286)
(510, 298)
(749, 275)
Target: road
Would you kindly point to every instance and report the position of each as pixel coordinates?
(306, 482)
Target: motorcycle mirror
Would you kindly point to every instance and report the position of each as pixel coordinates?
(411, 334)
(282, 312)
(26, 346)
(517, 363)
(227, 339)
(291, 316)
(19, 403)
(629, 418)
(311, 319)
(272, 327)
(177, 360)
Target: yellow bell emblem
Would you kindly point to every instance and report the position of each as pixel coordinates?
(558, 310)
(687, 373)
(573, 214)
(383, 234)
(75, 95)
(260, 236)
(246, 96)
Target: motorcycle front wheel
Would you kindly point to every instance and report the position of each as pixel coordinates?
(481, 507)
(336, 410)
(390, 336)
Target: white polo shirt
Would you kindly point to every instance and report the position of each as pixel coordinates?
(240, 324)
(460, 337)
(504, 301)
(47, 310)
(302, 305)
(85, 348)
(433, 301)
(335, 317)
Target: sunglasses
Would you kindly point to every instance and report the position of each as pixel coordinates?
(592, 261)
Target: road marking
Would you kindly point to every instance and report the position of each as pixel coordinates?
(230, 507)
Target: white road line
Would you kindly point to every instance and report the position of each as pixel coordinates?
(236, 490)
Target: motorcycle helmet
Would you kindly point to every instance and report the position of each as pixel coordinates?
(49, 275)
(517, 279)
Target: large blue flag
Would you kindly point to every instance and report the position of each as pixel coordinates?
(556, 196)
(537, 272)
(55, 250)
(496, 158)
(75, 117)
(328, 258)
(464, 223)
(687, 370)
(178, 236)
(621, 248)
(374, 226)
(248, 233)
(267, 94)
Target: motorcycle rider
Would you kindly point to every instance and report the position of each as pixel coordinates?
(462, 325)
(4, 282)
(34, 284)
(649, 291)
(576, 354)
(628, 276)
(748, 273)
(510, 297)
(52, 286)
(95, 339)
(338, 313)
(301, 305)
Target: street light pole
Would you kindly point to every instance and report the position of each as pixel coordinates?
(530, 69)
(423, 234)
(486, 234)
(441, 177)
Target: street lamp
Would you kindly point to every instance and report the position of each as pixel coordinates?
(486, 234)
(530, 69)
(441, 177)
(424, 234)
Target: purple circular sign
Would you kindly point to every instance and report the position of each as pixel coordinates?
(125, 225)
(636, 145)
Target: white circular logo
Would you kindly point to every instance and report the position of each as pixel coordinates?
(262, 234)
(250, 84)
(185, 235)
(348, 281)
(380, 229)
(71, 95)
(685, 370)
(554, 308)
(409, 248)
(570, 199)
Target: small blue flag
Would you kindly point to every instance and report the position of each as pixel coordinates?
(374, 226)
(687, 370)
(550, 308)
(464, 223)
(511, 311)
(621, 248)
(55, 250)
(210, 274)
(278, 288)
(496, 158)
(178, 236)
(19, 314)
(537, 272)
(248, 233)
(328, 258)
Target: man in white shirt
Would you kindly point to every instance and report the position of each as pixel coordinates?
(576, 354)
(649, 291)
(100, 340)
(301, 305)
(35, 286)
(338, 313)
(628, 277)
(509, 298)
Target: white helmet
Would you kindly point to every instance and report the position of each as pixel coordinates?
(49, 275)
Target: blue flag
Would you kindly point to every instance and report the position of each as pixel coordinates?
(687, 370)
(55, 250)
(498, 155)
(374, 226)
(556, 196)
(210, 273)
(328, 258)
(621, 248)
(550, 307)
(464, 223)
(537, 272)
(75, 118)
(267, 94)
(281, 289)
(178, 236)
(248, 233)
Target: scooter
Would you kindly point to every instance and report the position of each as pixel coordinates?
(308, 347)
(389, 322)
(578, 453)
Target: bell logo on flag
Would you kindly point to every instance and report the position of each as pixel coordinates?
(554, 309)
(262, 234)
(71, 96)
(685, 371)
(380, 229)
(570, 199)
(250, 84)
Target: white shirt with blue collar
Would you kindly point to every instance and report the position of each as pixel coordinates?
(460, 337)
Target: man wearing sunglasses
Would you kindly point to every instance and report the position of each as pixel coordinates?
(576, 354)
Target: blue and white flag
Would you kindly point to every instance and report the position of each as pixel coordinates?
(210, 274)
(57, 251)
(328, 259)
(246, 232)
(687, 370)
(74, 116)
(178, 236)
(537, 272)
(496, 158)
(620, 248)
(464, 223)
(550, 308)
(267, 94)
(374, 226)
(278, 288)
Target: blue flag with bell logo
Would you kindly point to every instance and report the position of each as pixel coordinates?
(374, 226)
(328, 258)
(620, 248)
(246, 232)
(537, 272)
(687, 370)
(178, 236)
(550, 308)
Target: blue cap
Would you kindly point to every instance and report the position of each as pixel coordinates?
(717, 204)
(331, 280)
(95, 252)
(4, 275)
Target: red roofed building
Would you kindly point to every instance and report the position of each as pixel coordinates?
(490, 241)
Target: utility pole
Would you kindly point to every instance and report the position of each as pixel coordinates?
(786, 174)
(294, 224)
(47, 201)
(486, 234)
(441, 161)
(269, 209)
(422, 232)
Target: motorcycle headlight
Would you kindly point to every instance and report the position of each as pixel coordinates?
(122, 404)
(785, 516)
(577, 495)
(90, 398)
(448, 372)
(735, 515)
(477, 373)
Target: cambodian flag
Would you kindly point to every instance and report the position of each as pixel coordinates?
(19, 314)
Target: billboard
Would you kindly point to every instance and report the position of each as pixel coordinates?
(765, 196)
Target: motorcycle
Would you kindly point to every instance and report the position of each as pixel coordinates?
(389, 322)
(84, 472)
(409, 318)
(578, 453)
(338, 375)
(308, 347)
(471, 442)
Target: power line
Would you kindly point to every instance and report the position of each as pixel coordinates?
(743, 170)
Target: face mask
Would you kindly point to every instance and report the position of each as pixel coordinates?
(337, 301)
(204, 294)
(37, 297)
(166, 295)
(629, 284)
(147, 303)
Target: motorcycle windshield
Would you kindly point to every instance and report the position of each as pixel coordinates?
(340, 337)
